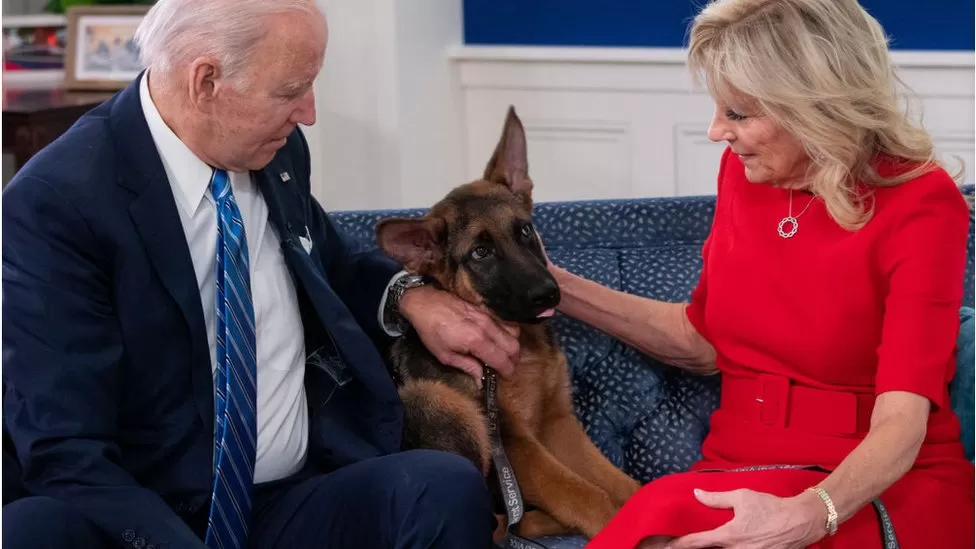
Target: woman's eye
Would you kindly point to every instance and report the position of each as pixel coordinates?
(480, 252)
(734, 116)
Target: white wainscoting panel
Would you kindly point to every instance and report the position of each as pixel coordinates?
(597, 140)
(696, 160)
(596, 144)
(609, 123)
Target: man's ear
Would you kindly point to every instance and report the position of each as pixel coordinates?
(417, 244)
(203, 74)
(509, 165)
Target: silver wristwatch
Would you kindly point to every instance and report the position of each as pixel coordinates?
(391, 312)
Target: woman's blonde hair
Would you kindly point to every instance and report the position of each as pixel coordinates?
(822, 70)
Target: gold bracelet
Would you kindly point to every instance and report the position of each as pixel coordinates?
(831, 524)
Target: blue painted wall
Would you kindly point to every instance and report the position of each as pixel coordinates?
(911, 24)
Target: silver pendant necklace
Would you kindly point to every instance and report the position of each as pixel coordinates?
(788, 225)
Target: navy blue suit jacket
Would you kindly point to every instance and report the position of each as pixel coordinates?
(108, 386)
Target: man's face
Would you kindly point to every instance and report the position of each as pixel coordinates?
(251, 122)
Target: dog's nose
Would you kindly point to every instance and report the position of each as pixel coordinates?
(544, 295)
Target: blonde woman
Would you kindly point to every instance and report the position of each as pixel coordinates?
(828, 300)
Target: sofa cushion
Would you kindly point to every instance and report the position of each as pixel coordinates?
(667, 273)
(583, 345)
(625, 223)
(968, 286)
(648, 419)
(961, 390)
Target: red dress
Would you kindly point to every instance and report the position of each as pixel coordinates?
(808, 330)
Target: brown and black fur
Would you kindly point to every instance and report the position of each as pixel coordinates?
(478, 242)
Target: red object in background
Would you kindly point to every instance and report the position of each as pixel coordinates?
(35, 48)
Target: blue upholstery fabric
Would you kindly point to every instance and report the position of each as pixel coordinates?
(961, 390)
(968, 289)
(648, 419)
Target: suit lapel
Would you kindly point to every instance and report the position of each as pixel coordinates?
(157, 221)
(289, 211)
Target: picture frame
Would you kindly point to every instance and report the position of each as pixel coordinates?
(101, 53)
(33, 50)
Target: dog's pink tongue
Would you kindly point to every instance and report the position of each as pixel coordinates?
(547, 313)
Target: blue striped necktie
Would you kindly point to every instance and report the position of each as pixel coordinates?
(236, 387)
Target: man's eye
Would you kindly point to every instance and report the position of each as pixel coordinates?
(292, 93)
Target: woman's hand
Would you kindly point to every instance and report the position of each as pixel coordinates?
(762, 521)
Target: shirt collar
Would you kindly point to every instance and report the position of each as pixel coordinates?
(188, 175)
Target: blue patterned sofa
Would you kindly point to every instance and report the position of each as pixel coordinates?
(648, 419)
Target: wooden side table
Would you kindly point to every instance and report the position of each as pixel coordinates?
(33, 118)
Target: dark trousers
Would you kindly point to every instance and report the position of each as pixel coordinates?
(411, 500)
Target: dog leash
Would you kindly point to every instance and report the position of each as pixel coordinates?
(511, 495)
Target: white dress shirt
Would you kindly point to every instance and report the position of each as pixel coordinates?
(282, 418)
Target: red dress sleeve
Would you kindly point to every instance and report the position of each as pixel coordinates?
(923, 263)
(695, 311)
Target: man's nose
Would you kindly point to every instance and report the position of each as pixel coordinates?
(305, 113)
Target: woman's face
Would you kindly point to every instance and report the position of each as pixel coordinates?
(769, 153)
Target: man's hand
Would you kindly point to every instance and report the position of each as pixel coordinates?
(460, 334)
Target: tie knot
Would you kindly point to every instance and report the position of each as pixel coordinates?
(219, 184)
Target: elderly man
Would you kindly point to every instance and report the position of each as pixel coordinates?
(192, 350)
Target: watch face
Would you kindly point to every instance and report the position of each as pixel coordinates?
(411, 281)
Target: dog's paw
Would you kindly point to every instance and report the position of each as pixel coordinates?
(499, 534)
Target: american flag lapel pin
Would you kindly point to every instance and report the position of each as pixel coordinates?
(284, 177)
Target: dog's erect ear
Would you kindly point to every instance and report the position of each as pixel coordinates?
(509, 165)
(417, 244)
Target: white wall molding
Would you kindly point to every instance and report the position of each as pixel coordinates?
(664, 150)
(529, 54)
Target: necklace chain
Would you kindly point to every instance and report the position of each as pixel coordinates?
(788, 225)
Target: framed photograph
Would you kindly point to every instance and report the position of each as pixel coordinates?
(33, 50)
(101, 53)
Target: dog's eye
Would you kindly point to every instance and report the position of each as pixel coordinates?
(527, 230)
(480, 253)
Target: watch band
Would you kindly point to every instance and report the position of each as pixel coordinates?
(391, 314)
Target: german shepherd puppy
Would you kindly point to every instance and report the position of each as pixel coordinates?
(479, 243)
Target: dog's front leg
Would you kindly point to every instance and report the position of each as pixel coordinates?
(537, 523)
(534, 524)
(565, 437)
(551, 486)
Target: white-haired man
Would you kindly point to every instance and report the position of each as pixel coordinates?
(192, 350)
